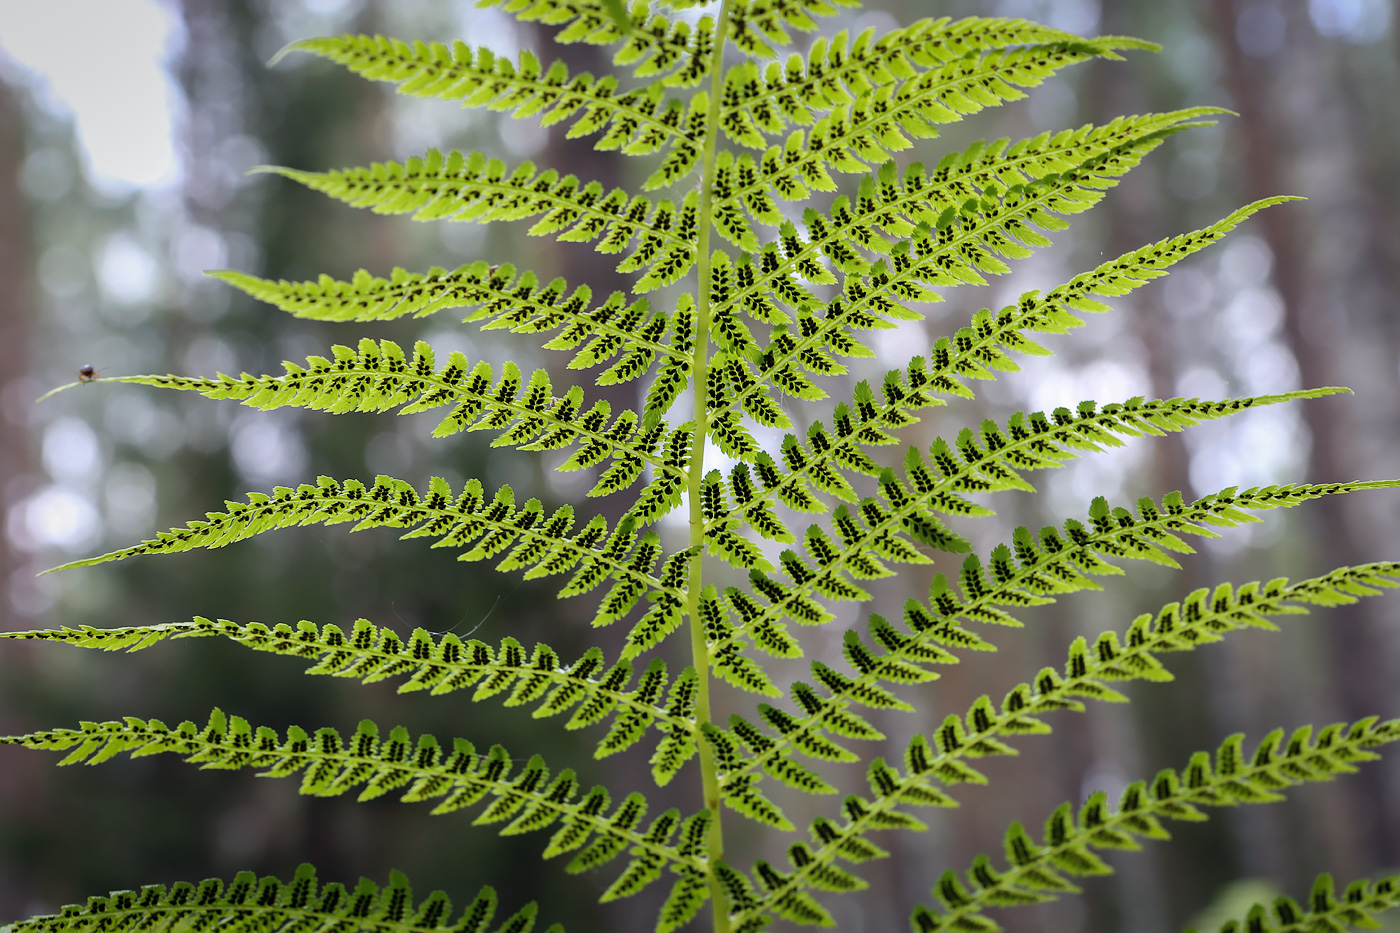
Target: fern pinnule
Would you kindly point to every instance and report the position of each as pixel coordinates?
(504, 298)
(982, 349)
(377, 376)
(473, 187)
(589, 689)
(329, 766)
(954, 244)
(838, 70)
(883, 528)
(273, 906)
(636, 122)
(894, 658)
(1355, 907)
(543, 545)
(1038, 872)
(1050, 564)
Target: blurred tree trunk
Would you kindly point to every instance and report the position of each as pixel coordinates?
(21, 788)
(15, 310)
(1288, 111)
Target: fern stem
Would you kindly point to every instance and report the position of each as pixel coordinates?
(700, 655)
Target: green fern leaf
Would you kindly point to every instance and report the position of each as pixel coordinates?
(635, 122)
(764, 328)
(987, 216)
(378, 376)
(655, 45)
(330, 766)
(484, 529)
(906, 510)
(267, 904)
(837, 71)
(981, 351)
(687, 896)
(754, 24)
(934, 637)
(505, 301)
(1069, 840)
(1203, 618)
(1356, 907)
(482, 190)
(447, 664)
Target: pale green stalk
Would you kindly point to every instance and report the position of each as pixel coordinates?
(700, 654)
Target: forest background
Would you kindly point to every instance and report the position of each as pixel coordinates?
(94, 270)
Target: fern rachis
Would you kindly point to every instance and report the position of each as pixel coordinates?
(779, 299)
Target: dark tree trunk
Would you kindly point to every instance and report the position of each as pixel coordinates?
(15, 312)
(1316, 331)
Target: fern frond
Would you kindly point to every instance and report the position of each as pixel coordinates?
(838, 70)
(329, 766)
(635, 122)
(890, 210)
(269, 905)
(895, 657)
(475, 188)
(378, 377)
(982, 350)
(1037, 873)
(655, 45)
(819, 464)
(531, 540)
(965, 241)
(641, 121)
(507, 301)
(1041, 872)
(768, 319)
(896, 67)
(1032, 441)
(1034, 569)
(906, 512)
(1325, 910)
(589, 687)
(867, 132)
(1057, 565)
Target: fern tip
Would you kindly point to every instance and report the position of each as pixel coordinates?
(1113, 43)
(54, 391)
(297, 46)
(271, 170)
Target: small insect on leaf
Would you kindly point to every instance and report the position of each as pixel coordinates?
(86, 373)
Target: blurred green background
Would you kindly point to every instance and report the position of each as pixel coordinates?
(101, 267)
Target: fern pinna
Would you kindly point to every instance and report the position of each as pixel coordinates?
(777, 232)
